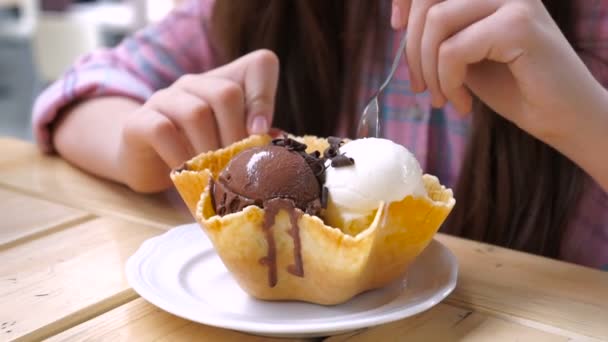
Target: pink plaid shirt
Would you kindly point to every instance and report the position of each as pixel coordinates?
(155, 57)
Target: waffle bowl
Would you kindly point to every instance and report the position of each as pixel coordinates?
(335, 263)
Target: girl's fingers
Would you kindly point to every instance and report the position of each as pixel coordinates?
(192, 115)
(227, 101)
(485, 39)
(159, 132)
(443, 20)
(417, 17)
(258, 74)
(216, 108)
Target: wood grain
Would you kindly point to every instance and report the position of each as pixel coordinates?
(140, 321)
(23, 216)
(69, 277)
(24, 168)
(509, 283)
(449, 323)
(56, 281)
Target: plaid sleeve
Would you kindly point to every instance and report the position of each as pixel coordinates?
(591, 36)
(151, 59)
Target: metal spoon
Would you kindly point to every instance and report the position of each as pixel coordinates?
(369, 124)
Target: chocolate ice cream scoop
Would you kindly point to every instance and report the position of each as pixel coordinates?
(282, 170)
(280, 176)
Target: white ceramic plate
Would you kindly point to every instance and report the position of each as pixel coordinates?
(180, 272)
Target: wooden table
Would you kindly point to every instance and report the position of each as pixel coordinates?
(65, 237)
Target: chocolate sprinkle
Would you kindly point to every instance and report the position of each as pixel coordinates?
(290, 144)
(335, 141)
(334, 147)
(333, 153)
(341, 161)
(330, 152)
(315, 154)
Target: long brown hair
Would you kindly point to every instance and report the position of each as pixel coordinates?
(317, 41)
(513, 190)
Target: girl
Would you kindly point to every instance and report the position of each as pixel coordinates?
(529, 166)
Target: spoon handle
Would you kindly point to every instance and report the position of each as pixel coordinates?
(402, 44)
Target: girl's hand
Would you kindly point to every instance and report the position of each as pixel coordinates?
(195, 114)
(509, 53)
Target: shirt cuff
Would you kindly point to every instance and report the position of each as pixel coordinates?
(76, 86)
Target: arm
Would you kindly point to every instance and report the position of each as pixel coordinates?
(88, 135)
(585, 141)
(150, 60)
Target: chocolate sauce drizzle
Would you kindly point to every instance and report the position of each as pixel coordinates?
(272, 208)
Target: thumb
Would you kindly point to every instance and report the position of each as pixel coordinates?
(258, 74)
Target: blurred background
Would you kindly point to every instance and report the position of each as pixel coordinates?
(39, 39)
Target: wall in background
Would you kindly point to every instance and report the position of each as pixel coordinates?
(23, 75)
(18, 86)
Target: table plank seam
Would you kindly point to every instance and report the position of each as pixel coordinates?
(48, 231)
(81, 316)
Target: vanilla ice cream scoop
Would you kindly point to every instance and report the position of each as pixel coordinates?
(383, 171)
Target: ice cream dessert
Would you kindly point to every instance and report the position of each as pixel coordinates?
(317, 220)
(383, 172)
